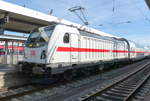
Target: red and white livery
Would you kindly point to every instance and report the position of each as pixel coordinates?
(59, 48)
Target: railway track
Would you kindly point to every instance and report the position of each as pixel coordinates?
(42, 93)
(141, 93)
(12, 94)
(26, 90)
(124, 89)
(26, 93)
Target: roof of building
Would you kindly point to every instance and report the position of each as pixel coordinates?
(25, 20)
(13, 37)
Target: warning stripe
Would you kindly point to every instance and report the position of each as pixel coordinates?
(72, 49)
(21, 48)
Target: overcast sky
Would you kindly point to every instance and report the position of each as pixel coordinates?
(100, 12)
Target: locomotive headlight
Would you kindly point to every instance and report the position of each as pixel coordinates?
(30, 45)
(43, 54)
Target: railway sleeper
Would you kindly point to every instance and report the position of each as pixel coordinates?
(133, 85)
(111, 97)
(147, 86)
(129, 82)
(119, 91)
(144, 89)
(141, 94)
(98, 98)
(117, 94)
(127, 86)
(139, 97)
(126, 89)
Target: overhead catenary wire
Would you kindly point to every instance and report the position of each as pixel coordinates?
(113, 9)
(140, 11)
(79, 16)
(113, 12)
(82, 16)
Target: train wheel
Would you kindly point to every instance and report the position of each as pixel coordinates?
(68, 75)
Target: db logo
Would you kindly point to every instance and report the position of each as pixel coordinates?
(32, 53)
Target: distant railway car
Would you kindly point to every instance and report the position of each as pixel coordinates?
(137, 52)
(62, 49)
(2, 51)
(147, 51)
(19, 50)
(11, 50)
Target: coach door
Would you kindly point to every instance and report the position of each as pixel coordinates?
(115, 51)
(74, 44)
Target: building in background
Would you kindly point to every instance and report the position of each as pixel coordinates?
(11, 49)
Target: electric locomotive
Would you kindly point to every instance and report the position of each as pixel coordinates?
(62, 48)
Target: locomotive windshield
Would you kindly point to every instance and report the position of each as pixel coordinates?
(39, 37)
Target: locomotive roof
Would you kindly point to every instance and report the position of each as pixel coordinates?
(135, 45)
(26, 19)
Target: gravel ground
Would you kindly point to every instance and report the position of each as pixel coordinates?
(73, 91)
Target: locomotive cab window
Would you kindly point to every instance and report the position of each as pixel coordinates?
(66, 38)
(39, 37)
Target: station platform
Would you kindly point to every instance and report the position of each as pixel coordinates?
(7, 68)
(9, 77)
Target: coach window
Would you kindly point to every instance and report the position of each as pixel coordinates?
(66, 38)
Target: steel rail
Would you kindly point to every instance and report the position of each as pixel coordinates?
(129, 94)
